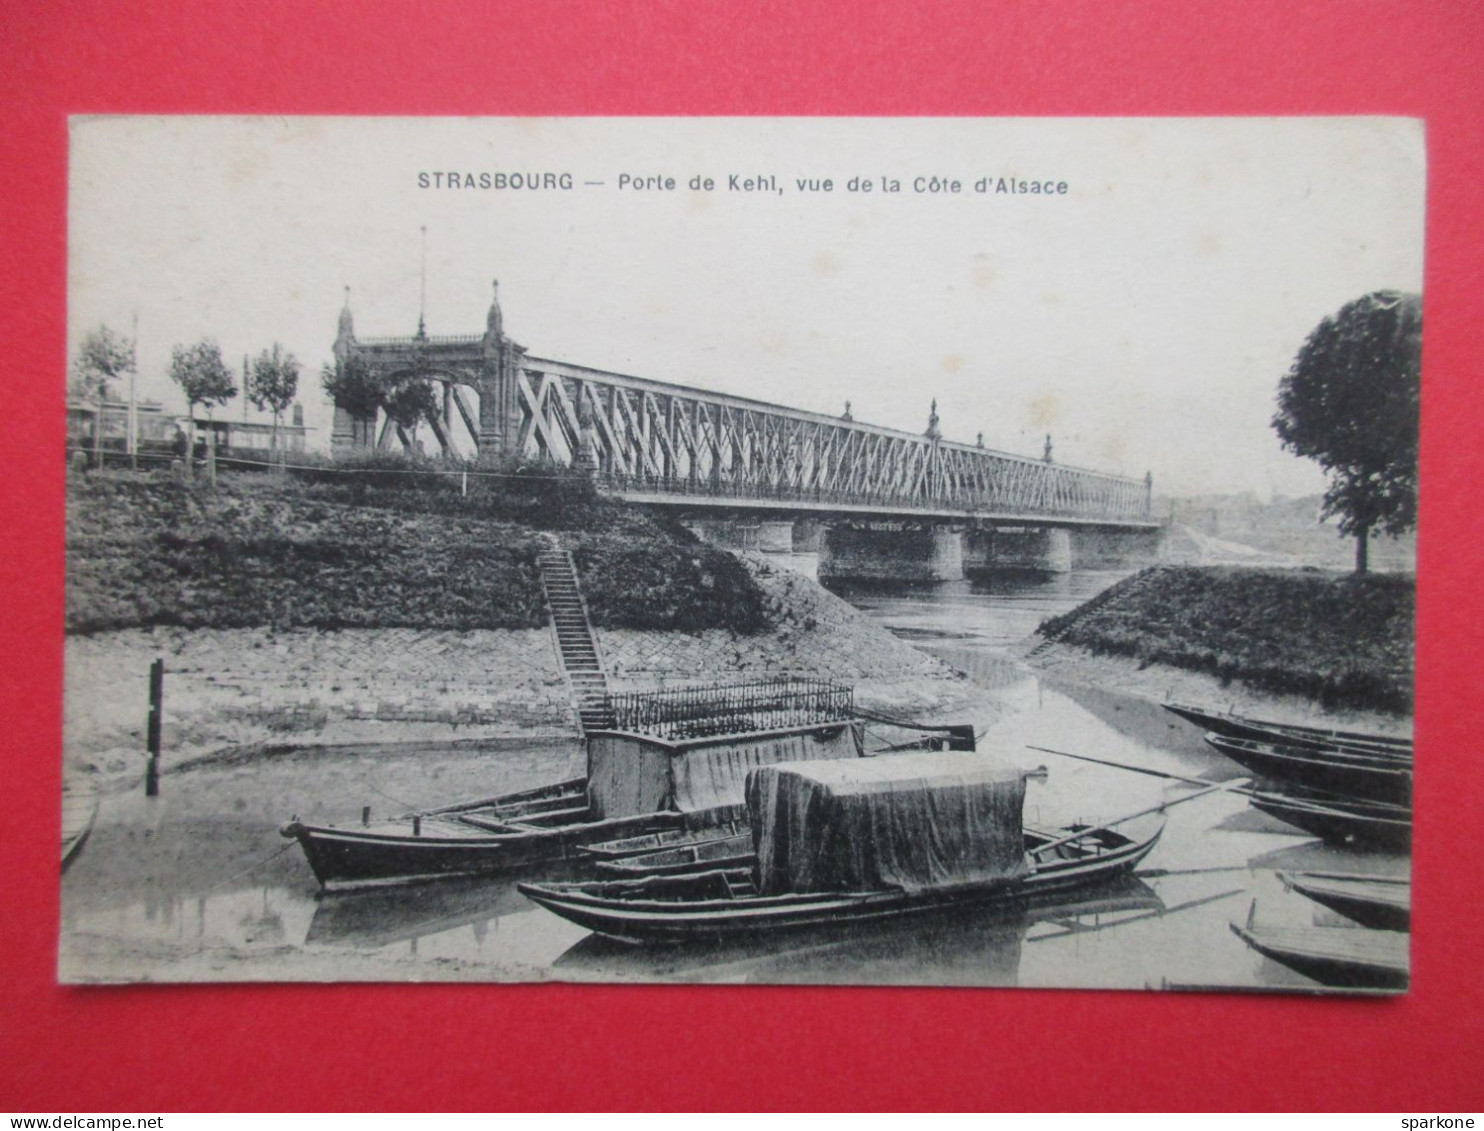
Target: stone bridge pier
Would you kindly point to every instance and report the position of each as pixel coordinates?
(1030, 549)
(905, 552)
(891, 552)
(728, 533)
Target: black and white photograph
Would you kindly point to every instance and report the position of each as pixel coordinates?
(971, 552)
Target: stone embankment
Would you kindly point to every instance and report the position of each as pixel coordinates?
(258, 687)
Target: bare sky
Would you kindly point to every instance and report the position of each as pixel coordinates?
(1143, 318)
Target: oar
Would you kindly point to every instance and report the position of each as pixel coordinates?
(1160, 808)
(1126, 766)
(1069, 927)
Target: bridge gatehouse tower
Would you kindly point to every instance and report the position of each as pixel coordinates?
(461, 366)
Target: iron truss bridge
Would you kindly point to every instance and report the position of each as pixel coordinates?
(657, 443)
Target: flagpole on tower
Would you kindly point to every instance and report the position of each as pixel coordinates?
(422, 299)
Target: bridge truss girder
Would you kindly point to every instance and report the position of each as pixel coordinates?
(647, 438)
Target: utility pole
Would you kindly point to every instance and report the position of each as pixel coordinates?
(133, 421)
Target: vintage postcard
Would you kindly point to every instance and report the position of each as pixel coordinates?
(911, 551)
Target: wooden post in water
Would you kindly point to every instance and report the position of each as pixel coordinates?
(152, 731)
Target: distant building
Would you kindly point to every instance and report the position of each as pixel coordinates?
(155, 430)
(153, 426)
(242, 435)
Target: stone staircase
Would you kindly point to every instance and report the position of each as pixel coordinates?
(1129, 585)
(579, 651)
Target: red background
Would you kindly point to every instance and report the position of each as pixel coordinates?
(310, 1047)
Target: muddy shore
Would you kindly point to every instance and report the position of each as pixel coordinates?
(233, 692)
(1160, 683)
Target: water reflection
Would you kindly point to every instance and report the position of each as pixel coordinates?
(383, 916)
(970, 946)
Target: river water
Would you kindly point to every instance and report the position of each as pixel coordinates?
(197, 884)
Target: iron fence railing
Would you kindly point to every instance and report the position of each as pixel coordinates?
(731, 708)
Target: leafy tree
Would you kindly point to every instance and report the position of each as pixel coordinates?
(410, 401)
(203, 376)
(1350, 401)
(352, 385)
(102, 356)
(273, 383)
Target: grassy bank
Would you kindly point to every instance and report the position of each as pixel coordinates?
(1340, 639)
(384, 548)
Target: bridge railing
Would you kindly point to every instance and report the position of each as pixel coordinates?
(721, 487)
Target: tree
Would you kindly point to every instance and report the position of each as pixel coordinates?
(273, 383)
(410, 401)
(352, 384)
(202, 375)
(102, 356)
(1350, 401)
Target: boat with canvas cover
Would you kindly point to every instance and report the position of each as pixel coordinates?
(1232, 725)
(676, 761)
(1383, 903)
(1383, 779)
(1341, 957)
(847, 842)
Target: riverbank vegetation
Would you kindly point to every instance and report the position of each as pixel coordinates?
(383, 543)
(1344, 640)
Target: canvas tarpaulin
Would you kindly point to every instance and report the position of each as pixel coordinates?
(633, 774)
(712, 774)
(908, 821)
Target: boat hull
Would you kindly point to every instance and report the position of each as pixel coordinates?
(1236, 726)
(1375, 961)
(612, 909)
(353, 857)
(79, 811)
(1382, 903)
(702, 853)
(1349, 776)
(1341, 821)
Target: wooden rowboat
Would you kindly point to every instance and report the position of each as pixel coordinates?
(533, 826)
(79, 811)
(1374, 778)
(1371, 824)
(1381, 902)
(721, 904)
(701, 853)
(654, 842)
(1343, 957)
(1238, 726)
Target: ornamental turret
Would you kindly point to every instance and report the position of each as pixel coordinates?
(346, 334)
(494, 323)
